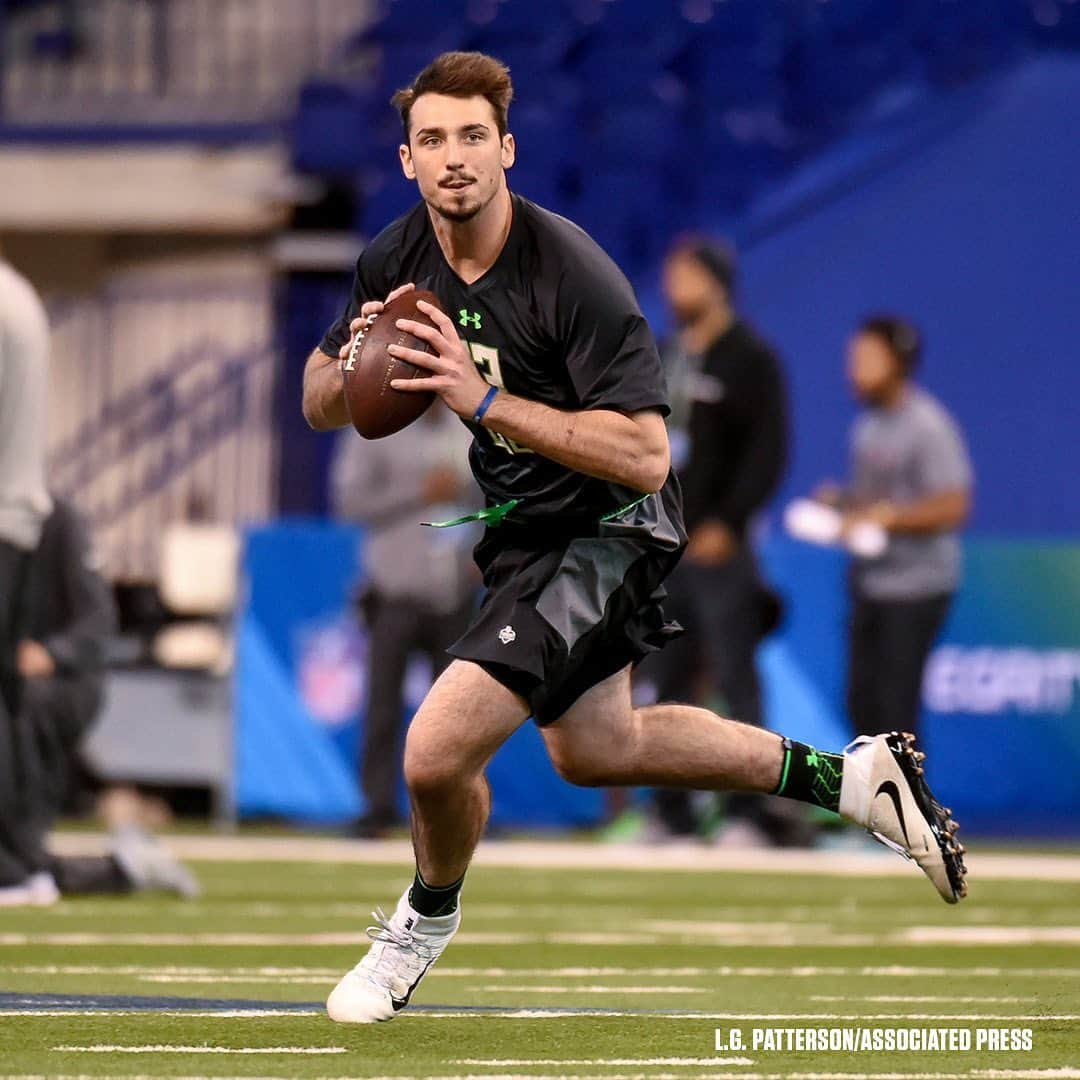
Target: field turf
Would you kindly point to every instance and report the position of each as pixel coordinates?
(556, 972)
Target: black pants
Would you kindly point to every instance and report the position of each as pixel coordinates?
(726, 612)
(397, 629)
(36, 750)
(14, 564)
(889, 641)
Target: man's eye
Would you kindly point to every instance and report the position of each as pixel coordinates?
(432, 141)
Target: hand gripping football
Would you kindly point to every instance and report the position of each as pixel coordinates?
(375, 407)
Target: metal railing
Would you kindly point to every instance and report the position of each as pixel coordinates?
(162, 410)
(146, 62)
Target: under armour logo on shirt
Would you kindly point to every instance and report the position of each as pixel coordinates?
(466, 319)
(507, 634)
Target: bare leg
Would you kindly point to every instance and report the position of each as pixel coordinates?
(466, 716)
(601, 739)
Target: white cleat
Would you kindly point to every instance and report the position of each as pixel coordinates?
(404, 947)
(883, 790)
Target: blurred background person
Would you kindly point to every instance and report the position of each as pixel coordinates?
(420, 582)
(69, 616)
(24, 500)
(910, 474)
(732, 389)
(24, 505)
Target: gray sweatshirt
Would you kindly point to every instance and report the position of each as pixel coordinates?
(24, 363)
(379, 484)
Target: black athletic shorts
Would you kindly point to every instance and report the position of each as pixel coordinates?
(562, 616)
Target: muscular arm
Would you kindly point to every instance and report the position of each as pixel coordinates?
(631, 450)
(324, 400)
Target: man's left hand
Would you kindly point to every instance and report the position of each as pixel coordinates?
(453, 374)
(712, 543)
(34, 661)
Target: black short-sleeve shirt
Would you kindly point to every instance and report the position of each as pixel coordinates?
(553, 320)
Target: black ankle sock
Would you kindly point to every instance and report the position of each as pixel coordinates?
(431, 900)
(810, 775)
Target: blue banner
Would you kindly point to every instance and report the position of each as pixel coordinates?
(1001, 697)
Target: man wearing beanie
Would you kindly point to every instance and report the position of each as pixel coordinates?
(734, 407)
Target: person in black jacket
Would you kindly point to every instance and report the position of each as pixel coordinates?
(735, 411)
(69, 615)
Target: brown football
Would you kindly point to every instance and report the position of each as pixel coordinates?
(375, 407)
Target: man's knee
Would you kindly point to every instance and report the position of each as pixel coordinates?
(576, 766)
(431, 771)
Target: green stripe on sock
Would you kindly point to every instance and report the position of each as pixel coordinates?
(784, 772)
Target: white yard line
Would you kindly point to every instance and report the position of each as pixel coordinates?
(501, 988)
(502, 1062)
(775, 935)
(162, 1048)
(976, 1074)
(900, 999)
(225, 1014)
(562, 854)
(242, 980)
(892, 1016)
(990, 935)
(722, 971)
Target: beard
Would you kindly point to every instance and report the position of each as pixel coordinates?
(457, 214)
(458, 210)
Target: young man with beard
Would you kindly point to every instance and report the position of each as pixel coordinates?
(559, 381)
(911, 475)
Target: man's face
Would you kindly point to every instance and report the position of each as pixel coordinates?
(455, 154)
(872, 369)
(690, 289)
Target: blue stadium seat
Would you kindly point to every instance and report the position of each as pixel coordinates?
(628, 212)
(386, 196)
(331, 130)
(419, 20)
(617, 72)
(649, 134)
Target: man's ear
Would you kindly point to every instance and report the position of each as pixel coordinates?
(509, 150)
(407, 166)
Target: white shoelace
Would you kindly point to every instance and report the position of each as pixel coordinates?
(403, 963)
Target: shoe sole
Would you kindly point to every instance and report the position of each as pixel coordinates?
(942, 824)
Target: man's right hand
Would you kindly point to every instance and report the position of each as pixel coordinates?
(367, 315)
(34, 661)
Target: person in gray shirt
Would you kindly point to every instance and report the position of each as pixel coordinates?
(911, 474)
(420, 582)
(24, 498)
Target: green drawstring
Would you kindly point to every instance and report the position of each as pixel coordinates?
(494, 516)
(622, 509)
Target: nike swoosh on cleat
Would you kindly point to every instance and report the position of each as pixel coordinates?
(888, 787)
(400, 1003)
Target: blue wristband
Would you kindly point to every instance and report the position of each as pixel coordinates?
(484, 405)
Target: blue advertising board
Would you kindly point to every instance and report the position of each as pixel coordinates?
(1001, 697)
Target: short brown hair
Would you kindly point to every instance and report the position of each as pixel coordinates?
(462, 75)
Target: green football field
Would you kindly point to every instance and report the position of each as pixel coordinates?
(557, 971)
